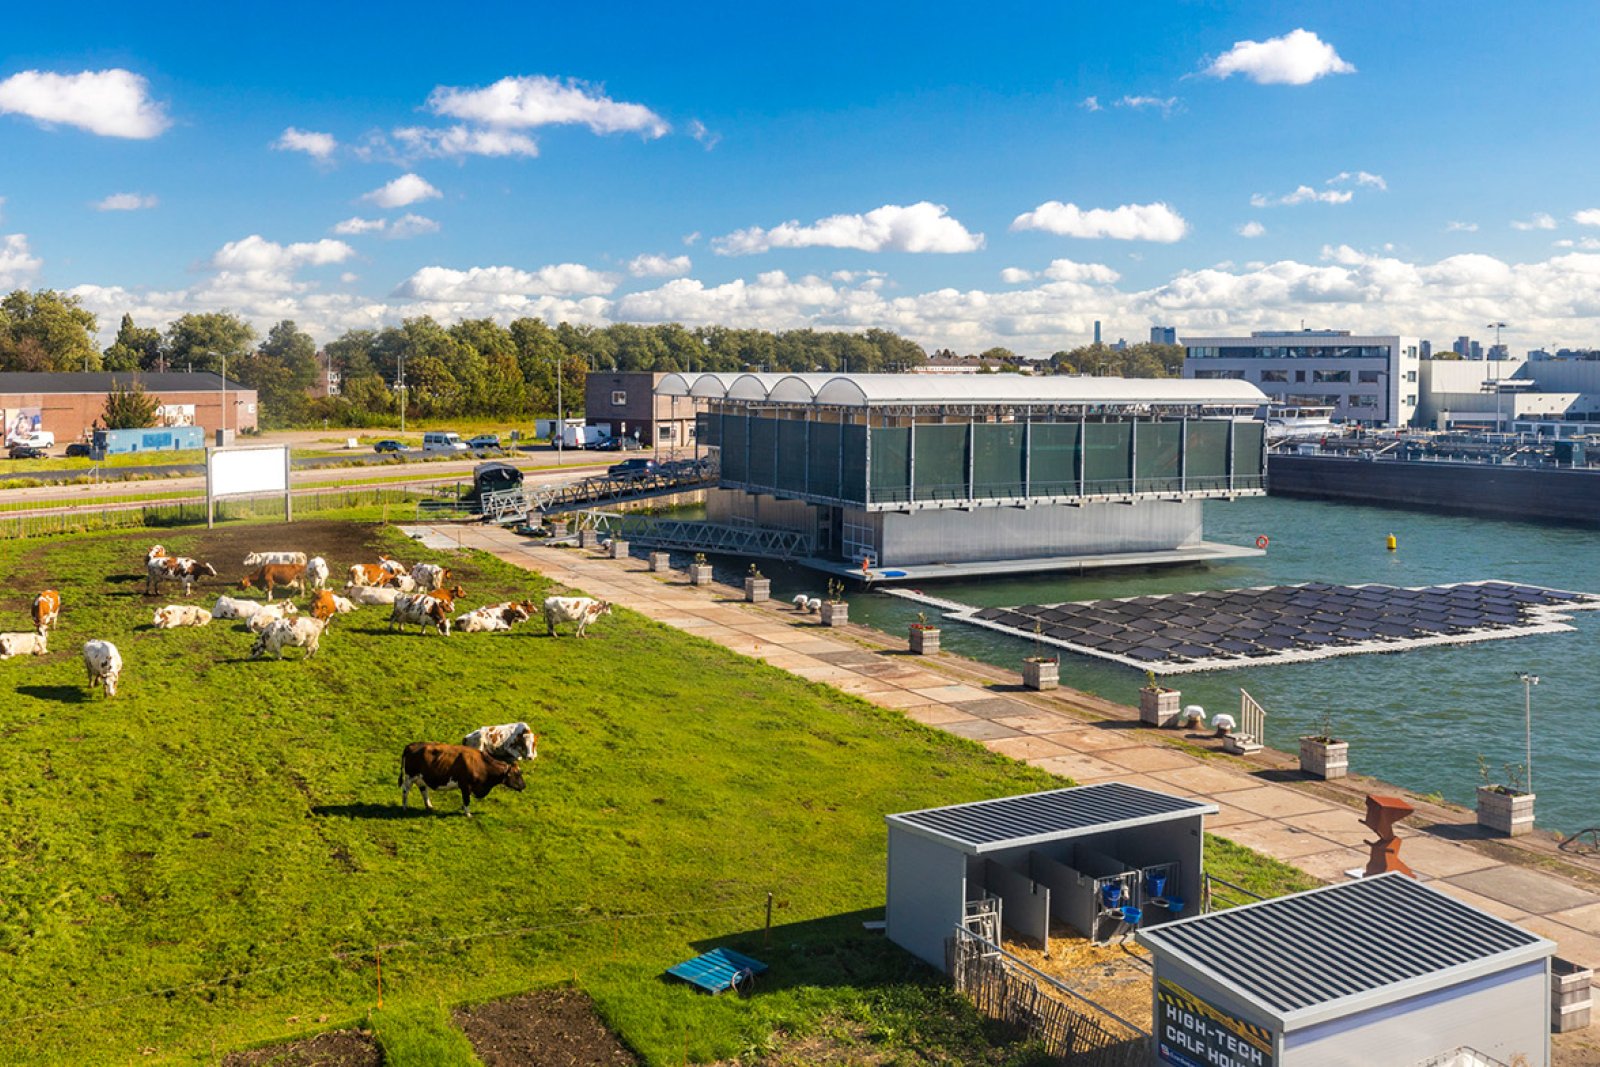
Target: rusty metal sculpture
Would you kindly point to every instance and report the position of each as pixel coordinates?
(1382, 815)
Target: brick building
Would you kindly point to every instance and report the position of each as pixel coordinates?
(626, 403)
(68, 405)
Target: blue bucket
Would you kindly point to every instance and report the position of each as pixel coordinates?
(1175, 905)
(1111, 894)
(1131, 915)
(1155, 885)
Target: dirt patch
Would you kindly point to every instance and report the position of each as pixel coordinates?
(557, 1028)
(336, 1048)
(1115, 976)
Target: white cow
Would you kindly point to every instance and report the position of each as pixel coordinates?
(156, 552)
(104, 664)
(261, 559)
(510, 741)
(183, 570)
(175, 615)
(392, 565)
(23, 644)
(430, 575)
(342, 605)
(579, 609)
(317, 572)
(492, 619)
(229, 607)
(422, 610)
(303, 632)
(372, 594)
(267, 614)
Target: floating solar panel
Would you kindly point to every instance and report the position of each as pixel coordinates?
(1217, 629)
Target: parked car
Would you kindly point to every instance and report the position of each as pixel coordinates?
(38, 439)
(25, 451)
(79, 448)
(620, 444)
(443, 441)
(484, 441)
(632, 468)
(389, 445)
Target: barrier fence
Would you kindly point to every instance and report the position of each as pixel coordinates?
(193, 512)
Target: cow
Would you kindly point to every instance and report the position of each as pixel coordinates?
(317, 572)
(104, 664)
(492, 619)
(276, 576)
(180, 569)
(404, 582)
(175, 615)
(392, 565)
(372, 594)
(156, 552)
(232, 607)
(421, 610)
(303, 632)
(434, 766)
(579, 609)
(267, 614)
(46, 606)
(510, 742)
(430, 575)
(28, 643)
(365, 574)
(448, 596)
(261, 559)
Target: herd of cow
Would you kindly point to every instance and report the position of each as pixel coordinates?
(416, 595)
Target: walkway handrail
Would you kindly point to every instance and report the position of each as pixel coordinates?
(698, 536)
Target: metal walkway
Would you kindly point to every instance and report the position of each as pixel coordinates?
(606, 489)
(695, 536)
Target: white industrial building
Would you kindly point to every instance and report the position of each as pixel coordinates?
(1558, 397)
(1371, 380)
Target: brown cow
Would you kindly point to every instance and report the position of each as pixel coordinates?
(433, 766)
(276, 575)
(180, 569)
(323, 606)
(370, 574)
(46, 606)
(448, 597)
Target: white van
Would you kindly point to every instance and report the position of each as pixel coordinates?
(443, 441)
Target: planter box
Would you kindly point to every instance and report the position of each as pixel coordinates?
(757, 589)
(1507, 814)
(1324, 759)
(558, 527)
(619, 548)
(660, 562)
(1570, 996)
(699, 574)
(1159, 707)
(835, 614)
(925, 640)
(1041, 674)
(588, 539)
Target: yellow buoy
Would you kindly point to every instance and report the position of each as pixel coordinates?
(1392, 543)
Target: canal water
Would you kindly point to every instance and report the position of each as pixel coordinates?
(1419, 718)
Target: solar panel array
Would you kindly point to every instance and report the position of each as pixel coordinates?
(1255, 624)
(1058, 812)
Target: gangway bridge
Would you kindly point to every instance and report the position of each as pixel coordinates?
(516, 505)
(693, 535)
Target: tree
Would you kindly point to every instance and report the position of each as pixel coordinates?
(129, 407)
(46, 331)
(200, 341)
(134, 348)
(282, 372)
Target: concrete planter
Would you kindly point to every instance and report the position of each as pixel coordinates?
(559, 527)
(660, 562)
(1507, 814)
(699, 574)
(925, 640)
(1159, 707)
(588, 539)
(619, 548)
(1041, 674)
(1324, 759)
(757, 589)
(835, 614)
(1570, 996)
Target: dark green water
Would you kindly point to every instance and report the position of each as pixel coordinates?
(1419, 718)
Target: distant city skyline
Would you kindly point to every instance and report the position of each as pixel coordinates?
(966, 178)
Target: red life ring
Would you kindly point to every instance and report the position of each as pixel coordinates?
(1261, 542)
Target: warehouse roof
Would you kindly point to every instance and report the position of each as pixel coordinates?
(101, 382)
(877, 390)
(1035, 818)
(1332, 951)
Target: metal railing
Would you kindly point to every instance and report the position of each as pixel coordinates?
(696, 536)
(606, 489)
(1232, 895)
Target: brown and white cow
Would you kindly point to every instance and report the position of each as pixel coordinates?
(325, 604)
(180, 569)
(495, 618)
(276, 576)
(46, 606)
(175, 615)
(579, 609)
(434, 766)
(369, 574)
(510, 741)
(422, 610)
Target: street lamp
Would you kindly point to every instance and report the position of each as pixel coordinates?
(400, 386)
(1499, 362)
(561, 419)
(1528, 682)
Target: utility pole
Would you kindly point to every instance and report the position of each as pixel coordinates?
(561, 418)
(1499, 363)
(400, 384)
(1528, 682)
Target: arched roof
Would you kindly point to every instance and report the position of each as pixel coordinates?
(876, 390)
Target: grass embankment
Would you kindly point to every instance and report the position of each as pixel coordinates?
(229, 831)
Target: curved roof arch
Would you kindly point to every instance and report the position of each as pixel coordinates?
(870, 390)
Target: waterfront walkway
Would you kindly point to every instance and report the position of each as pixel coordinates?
(1264, 802)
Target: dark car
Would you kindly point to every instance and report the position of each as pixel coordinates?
(78, 448)
(631, 468)
(484, 441)
(620, 444)
(390, 445)
(22, 451)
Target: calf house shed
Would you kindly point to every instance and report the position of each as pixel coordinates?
(1103, 858)
(1377, 972)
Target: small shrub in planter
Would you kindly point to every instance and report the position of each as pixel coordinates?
(1041, 672)
(699, 570)
(1323, 755)
(835, 612)
(1506, 809)
(924, 636)
(757, 587)
(1158, 705)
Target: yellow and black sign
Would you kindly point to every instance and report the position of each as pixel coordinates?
(1192, 1033)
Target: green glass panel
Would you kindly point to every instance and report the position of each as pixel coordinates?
(941, 462)
(823, 478)
(792, 455)
(997, 459)
(735, 464)
(708, 428)
(854, 440)
(891, 464)
(1055, 459)
(1247, 456)
(1156, 459)
(1106, 461)
(1206, 461)
(763, 452)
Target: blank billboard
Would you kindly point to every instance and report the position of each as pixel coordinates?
(236, 471)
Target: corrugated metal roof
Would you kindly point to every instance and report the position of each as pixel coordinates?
(873, 390)
(100, 382)
(1335, 950)
(986, 825)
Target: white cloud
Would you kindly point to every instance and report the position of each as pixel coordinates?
(356, 226)
(1066, 270)
(444, 285)
(1252, 229)
(652, 266)
(1538, 221)
(111, 103)
(1359, 177)
(1296, 58)
(404, 190)
(457, 141)
(349, 276)
(125, 202)
(1461, 227)
(256, 253)
(708, 138)
(1303, 195)
(1016, 275)
(18, 265)
(409, 225)
(1091, 103)
(1130, 222)
(1587, 217)
(919, 227)
(528, 102)
(691, 238)
(1163, 104)
(1587, 244)
(319, 146)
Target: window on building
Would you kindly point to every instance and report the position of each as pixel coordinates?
(1231, 375)
(1299, 375)
(664, 432)
(1274, 375)
(1411, 398)
(1368, 377)
(1330, 377)
(618, 398)
(1411, 375)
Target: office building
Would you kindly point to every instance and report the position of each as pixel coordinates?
(1163, 335)
(1365, 379)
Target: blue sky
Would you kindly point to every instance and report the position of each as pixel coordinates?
(999, 174)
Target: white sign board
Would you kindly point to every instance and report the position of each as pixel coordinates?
(247, 471)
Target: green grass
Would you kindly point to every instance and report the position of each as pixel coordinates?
(1249, 870)
(421, 1035)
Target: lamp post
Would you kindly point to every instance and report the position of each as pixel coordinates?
(1528, 682)
(561, 418)
(400, 386)
(1499, 362)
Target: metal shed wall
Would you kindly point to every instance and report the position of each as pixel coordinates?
(917, 537)
(926, 894)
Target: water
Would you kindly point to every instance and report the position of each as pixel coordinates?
(1419, 718)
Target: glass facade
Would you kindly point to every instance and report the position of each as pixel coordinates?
(1289, 352)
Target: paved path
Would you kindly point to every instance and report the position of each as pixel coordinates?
(1264, 804)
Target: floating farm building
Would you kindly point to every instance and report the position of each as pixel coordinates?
(899, 476)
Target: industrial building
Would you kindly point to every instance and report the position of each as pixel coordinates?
(895, 476)
(1556, 397)
(1383, 972)
(1366, 380)
(69, 404)
(629, 404)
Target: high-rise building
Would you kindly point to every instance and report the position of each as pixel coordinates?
(1463, 346)
(1096, 331)
(1426, 350)
(1163, 335)
(1477, 351)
